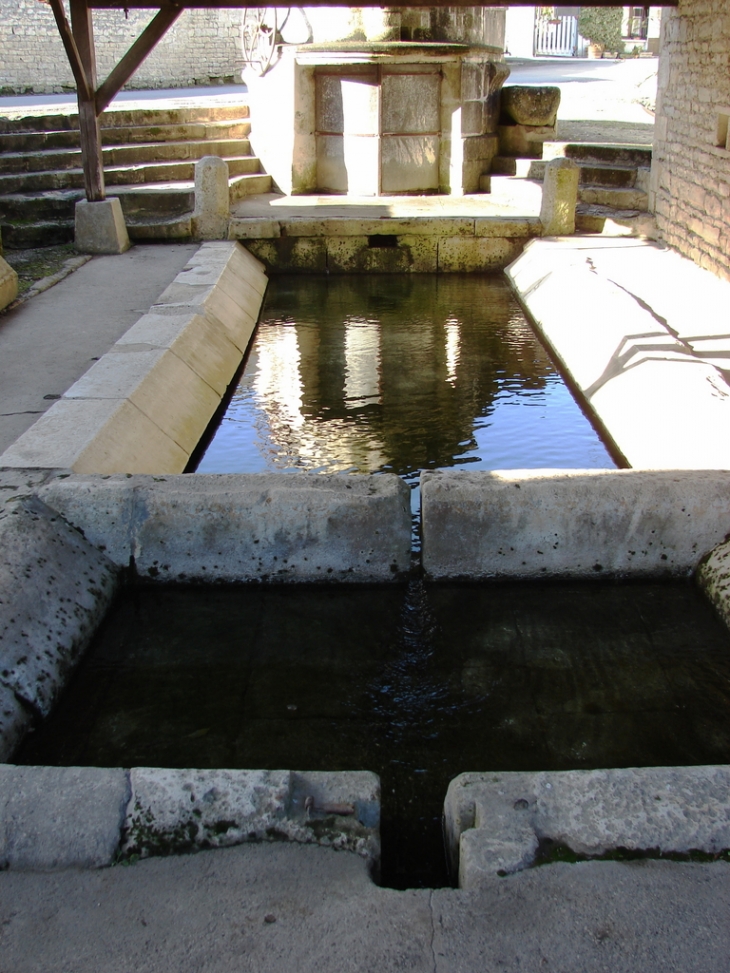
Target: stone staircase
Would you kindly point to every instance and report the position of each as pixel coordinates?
(613, 178)
(149, 159)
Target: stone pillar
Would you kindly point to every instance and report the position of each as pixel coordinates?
(212, 199)
(100, 227)
(559, 198)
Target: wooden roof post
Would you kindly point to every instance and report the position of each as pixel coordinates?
(83, 34)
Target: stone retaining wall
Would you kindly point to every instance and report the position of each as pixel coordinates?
(202, 48)
(691, 162)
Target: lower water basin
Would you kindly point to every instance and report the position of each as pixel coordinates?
(389, 373)
(416, 682)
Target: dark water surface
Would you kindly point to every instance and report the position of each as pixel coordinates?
(415, 682)
(391, 373)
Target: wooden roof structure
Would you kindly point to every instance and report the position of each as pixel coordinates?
(78, 41)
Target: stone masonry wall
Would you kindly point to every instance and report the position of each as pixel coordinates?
(203, 47)
(690, 190)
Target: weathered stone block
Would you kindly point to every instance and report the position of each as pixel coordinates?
(524, 141)
(193, 339)
(482, 253)
(15, 718)
(413, 254)
(495, 822)
(559, 197)
(61, 817)
(263, 526)
(166, 390)
(212, 199)
(96, 436)
(8, 283)
(181, 810)
(529, 524)
(100, 227)
(54, 590)
(530, 105)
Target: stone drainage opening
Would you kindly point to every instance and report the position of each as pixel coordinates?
(416, 682)
(382, 240)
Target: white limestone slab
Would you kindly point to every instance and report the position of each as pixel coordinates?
(626, 319)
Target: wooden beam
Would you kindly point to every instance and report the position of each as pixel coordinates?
(153, 32)
(72, 52)
(227, 4)
(83, 32)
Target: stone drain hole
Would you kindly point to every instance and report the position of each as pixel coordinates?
(381, 241)
(416, 682)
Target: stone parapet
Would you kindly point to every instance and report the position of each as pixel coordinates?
(244, 527)
(570, 524)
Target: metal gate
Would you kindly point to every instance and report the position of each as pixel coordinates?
(557, 37)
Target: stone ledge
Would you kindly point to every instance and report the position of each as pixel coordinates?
(499, 823)
(625, 318)
(244, 527)
(571, 523)
(92, 817)
(61, 817)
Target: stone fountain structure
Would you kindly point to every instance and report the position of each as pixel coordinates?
(377, 101)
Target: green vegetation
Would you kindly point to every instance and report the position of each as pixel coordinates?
(602, 26)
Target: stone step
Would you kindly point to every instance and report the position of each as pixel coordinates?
(618, 177)
(177, 228)
(597, 153)
(252, 184)
(149, 152)
(27, 142)
(40, 233)
(127, 117)
(618, 199)
(34, 182)
(592, 219)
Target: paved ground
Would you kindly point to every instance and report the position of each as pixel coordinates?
(49, 342)
(288, 907)
(601, 100)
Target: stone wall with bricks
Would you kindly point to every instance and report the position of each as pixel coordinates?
(202, 47)
(690, 188)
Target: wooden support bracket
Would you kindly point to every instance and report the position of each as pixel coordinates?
(153, 32)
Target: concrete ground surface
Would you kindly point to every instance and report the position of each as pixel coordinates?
(267, 908)
(49, 342)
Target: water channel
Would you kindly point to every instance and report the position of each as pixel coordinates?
(415, 682)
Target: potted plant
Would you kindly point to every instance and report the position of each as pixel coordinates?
(601, 27)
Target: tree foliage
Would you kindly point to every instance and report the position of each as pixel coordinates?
(602, 25)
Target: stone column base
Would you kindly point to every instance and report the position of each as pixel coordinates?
(100, 227)
(8, 284)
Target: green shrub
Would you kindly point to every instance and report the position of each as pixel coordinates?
(602, 25)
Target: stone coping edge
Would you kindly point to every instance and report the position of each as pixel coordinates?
(501, 823)
(257, 527)
(571, 523)
(93, 817)
(144, 405)
(640, 333)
